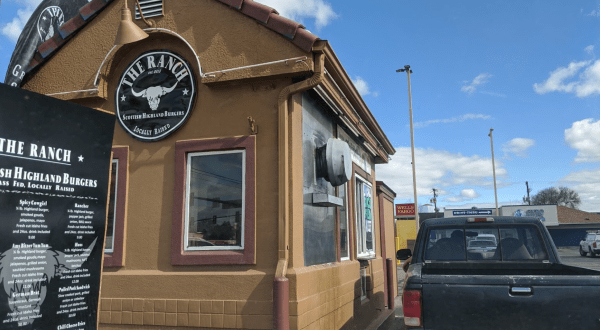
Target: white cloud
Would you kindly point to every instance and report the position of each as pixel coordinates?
(590, 50)
(594, 13)
(517, 147)
(584, 136)
(493, 94)
(361, 85)
(581, 78)
(438, 169)
(13, 29)
(469, 193)
(452, 120)
(320, 10)
(483, 205)
(465, 195)
(480, 80)
(585, 183)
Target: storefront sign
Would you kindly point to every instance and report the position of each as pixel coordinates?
(155, 95)
(403, 210)
(54, 164)
(547, 214)
(471, 212)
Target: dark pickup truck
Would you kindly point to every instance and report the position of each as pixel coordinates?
(495, 273)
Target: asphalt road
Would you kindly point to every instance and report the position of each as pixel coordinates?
(569, 256)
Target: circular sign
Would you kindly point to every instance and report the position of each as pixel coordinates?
(50, 20)
(155, 95)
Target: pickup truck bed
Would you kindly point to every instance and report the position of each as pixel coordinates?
(534, 293)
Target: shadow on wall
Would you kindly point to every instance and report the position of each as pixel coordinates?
(365, 311)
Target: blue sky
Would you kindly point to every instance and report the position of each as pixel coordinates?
(526, 68)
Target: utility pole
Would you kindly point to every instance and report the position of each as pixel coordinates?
(494, 170)
(528, 191)
(412, 142)
(434, 201)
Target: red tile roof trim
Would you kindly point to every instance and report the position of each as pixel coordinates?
(266, 15)
(71, 26)
(257, 11)
(283, 25)
(271, 19)
(304, 39)
(91, 8)
(50, 45)
(237, 4)
(66, 30)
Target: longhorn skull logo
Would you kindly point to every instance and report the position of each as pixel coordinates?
(26, 295)
(153, 94)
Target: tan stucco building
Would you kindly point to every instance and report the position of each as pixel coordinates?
(224, 211)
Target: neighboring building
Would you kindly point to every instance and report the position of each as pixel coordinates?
(567, 226)
(573, 225)
(225, 210)
(406, 227)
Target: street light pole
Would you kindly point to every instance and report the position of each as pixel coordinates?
(412, 142)
(494, 169)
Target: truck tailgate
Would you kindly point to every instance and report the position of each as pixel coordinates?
(511, 302)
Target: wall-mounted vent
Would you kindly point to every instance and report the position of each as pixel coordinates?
(334, 162)
(150, 8)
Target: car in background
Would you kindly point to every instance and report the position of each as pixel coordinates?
(481, 245)
(591, 245)
(487, 237)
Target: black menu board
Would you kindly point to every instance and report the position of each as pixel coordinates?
(54, 171)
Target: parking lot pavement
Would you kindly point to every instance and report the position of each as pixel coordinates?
(568, 255)
(396, 322)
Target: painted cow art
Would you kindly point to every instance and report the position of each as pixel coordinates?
(153, 94)
(26, 294)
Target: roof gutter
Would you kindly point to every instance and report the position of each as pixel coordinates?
(280, 282)
(283, 149)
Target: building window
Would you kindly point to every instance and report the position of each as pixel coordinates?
(215, 200)
(344, 233)
(365, 240)
(117, 202)
(112, 200)
(214, 208)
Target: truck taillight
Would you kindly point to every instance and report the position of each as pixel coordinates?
(594, 244)
(411, 306)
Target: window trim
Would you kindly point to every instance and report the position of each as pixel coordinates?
(187, 201)
(180, 256)
(369, 254)
(111, 250)
(116, 258)
(347, 221)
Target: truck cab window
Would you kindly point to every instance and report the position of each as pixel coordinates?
(521, 243)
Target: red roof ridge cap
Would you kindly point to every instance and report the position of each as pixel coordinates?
(269, 17)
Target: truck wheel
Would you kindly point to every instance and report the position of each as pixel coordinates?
(592, 254)
(581, 252)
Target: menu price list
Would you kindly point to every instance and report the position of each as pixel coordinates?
(37, 276)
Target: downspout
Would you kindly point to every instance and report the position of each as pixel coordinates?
(280, 283)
